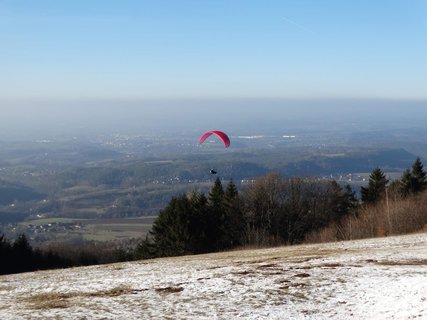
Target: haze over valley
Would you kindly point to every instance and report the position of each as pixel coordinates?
(112, 160)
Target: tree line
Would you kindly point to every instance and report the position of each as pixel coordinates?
(273, 210)
(413, 181)
(19, 256)
(386, 208)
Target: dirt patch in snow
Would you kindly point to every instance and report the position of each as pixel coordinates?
(169, 289)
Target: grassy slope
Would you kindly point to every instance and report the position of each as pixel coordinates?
(379, 278)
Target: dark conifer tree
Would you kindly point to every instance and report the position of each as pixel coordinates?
(376, 187)
(419, 175)
(146, 249)
(5, 255)
(350, 199)
(170, 229)
(406, 183)
(233, 223)
(23, 254)
(341, 201)
(230, 193)
(413, 180)
(185, 226)
(216, 217)
(198, 223)
(216, 194)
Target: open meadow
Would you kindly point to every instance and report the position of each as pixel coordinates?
(382, 278)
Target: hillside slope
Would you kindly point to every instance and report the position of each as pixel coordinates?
(383, 278)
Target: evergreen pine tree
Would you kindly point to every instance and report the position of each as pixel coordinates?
(5, 255)
(413, 180)
(185, 226)
(376, 186)
(346, 200)
(23, 254)
(350, 198)
(170, 230)
(230, 193)
(406, 183)
(419, 175)
(198, 224)
(233, 224)
(216, 194)
(216, 218)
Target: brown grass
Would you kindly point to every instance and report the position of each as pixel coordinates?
(52, 300)
(399, 216)
(415, 262)
(331, 265)
(7, 288)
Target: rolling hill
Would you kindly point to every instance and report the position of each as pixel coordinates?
(383, 278)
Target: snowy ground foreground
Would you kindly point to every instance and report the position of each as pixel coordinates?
(382, 278)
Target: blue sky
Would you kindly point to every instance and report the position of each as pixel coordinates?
(103, 49)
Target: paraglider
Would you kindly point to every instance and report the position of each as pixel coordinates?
(224, 138)
(221, 135)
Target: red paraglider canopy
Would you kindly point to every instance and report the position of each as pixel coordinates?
(224, 138)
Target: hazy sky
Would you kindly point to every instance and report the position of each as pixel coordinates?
(91, 49)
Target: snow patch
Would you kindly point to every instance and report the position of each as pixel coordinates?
(383, 278)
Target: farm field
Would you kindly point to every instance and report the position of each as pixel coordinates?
(89, 229)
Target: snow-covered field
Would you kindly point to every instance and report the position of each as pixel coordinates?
(383, 278)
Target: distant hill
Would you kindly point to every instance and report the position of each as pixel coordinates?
(393, 160)
(10, 192)
(15, 200)
(143, 186)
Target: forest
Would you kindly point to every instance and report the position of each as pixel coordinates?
(284, 211)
